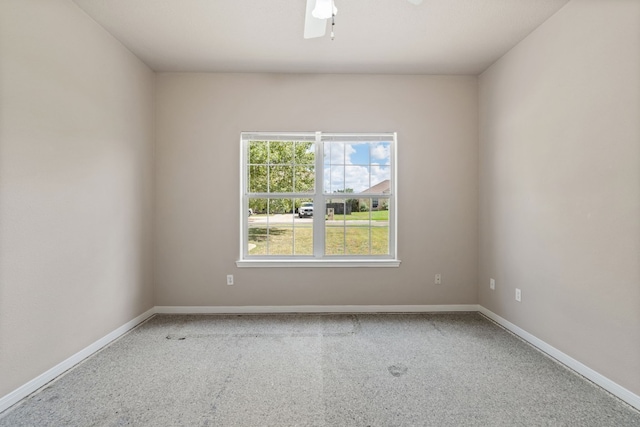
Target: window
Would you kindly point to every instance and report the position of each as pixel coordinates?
(318, 199)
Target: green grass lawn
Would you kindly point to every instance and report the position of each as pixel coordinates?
(339, 240)
(364, 216)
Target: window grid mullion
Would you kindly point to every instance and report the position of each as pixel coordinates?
(344, 229)
(319, 201)
(293, 227)
(370, 233)
(268, 166)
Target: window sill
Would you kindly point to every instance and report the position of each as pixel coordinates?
(318, 263)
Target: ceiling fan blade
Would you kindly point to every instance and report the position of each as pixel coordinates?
(416, 2)
(313, 27)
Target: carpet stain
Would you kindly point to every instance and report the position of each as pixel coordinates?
(397, 370)
(436, 327)
(176, 337)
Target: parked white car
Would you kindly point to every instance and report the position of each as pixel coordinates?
(305, 209)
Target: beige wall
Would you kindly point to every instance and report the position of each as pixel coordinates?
(76, 153)
(199, 120)
(559, 168)
(560, 185)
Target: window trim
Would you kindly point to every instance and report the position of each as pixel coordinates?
(318, 262)
(319, 197)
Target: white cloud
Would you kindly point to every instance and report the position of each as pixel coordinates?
(381, 152)
(357, 178)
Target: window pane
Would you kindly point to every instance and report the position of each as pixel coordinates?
(280, 207)
(356, 228)
(380, 227)
(357, 238)
(274, 229)
(380, 153)
(280, 179)
(380, 240)
(334, 240)
(380, 174)
(257, 179)
(334, 227)
(303, 227)
(304, 179)
(327, 154)
(258, 152)
(257, 227)
(357, 166)
(333, 153)
(280, 239)
(287, 166)
(341, 207)
(280, 152)
(305, 153)
(336, 179)
(356, 179)
(357, 153)
(280, 227)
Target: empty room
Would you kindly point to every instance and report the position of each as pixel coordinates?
(322, 213)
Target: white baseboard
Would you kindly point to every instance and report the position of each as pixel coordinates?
(599, 379)
(255, 309)
(41, 380)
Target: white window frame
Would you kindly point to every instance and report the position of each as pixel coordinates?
(318, 259)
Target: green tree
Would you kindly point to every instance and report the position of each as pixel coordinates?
(280, 167)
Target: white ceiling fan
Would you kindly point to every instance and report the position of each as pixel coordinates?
(319, 12)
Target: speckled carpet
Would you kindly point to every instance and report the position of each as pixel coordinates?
(320, 370)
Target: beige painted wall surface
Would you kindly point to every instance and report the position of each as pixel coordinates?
(76, 163)
(199, 120)
(560, 185)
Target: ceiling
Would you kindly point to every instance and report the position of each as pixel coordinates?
(371, 36)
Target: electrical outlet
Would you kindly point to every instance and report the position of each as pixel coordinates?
(492, 284)
(518, 295)
(438, 279)
(229, 279)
